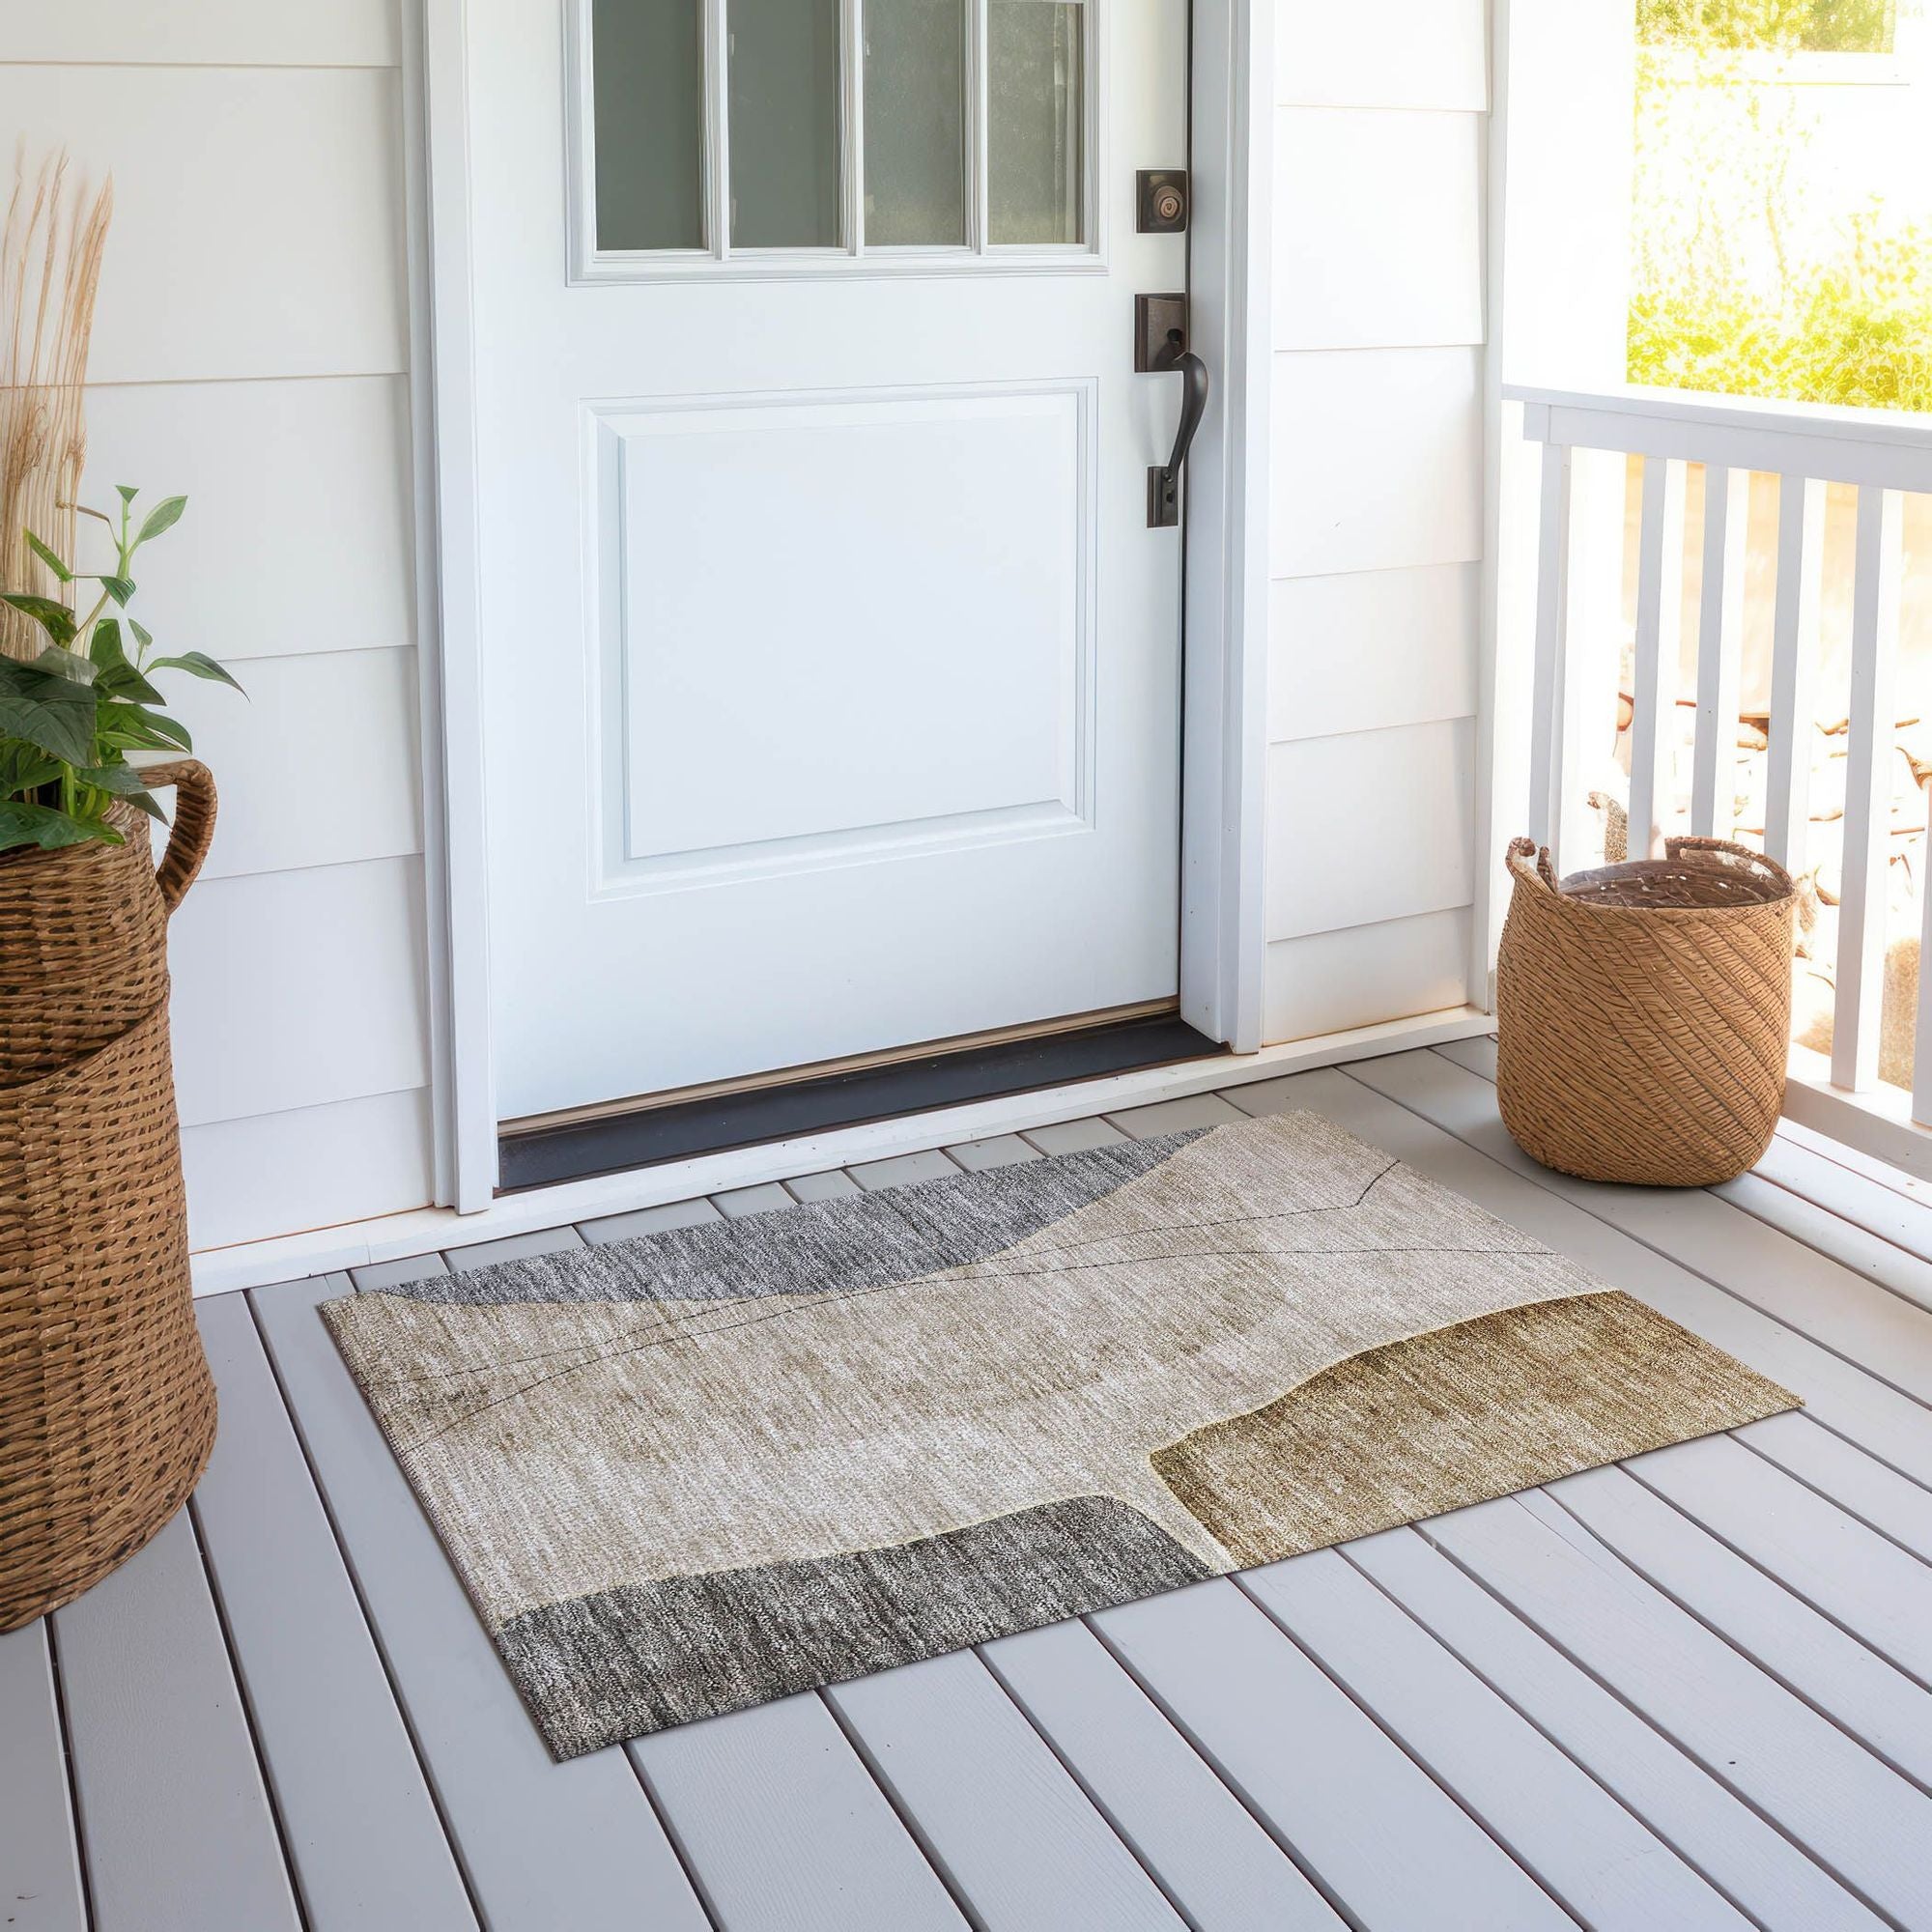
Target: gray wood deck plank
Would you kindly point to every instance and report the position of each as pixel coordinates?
(39, 1854)
(737, 1202)
(903, 1170)
(1879, 1497)
(833, 1185)
(1001, 1151)
(1863, 1583)
(1855, 1815)
(367, 1848)
(175, 1822)
(1749, 1862)
(1891, 1267)
(1382, 1840)
(996, 1811)
(1901, 1219)
(1215, 1861)
(512, 1248)
(544, 1845)
(1446, 1127)
(379, 1276)
(1073, 1136)
(648, 1221)
(1831, 1670)
(1591, 1853)
(824, 1852)
(1174, 1116)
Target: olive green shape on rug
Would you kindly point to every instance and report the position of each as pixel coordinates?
(704, 1469)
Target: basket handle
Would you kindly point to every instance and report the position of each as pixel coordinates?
(194, 828)
(1543, 872)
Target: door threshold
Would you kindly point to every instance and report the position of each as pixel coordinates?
(716, 1122)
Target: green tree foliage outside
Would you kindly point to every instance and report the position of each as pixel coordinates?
(1734, 291)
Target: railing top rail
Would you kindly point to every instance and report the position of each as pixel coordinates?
(1909, 427)
(1891, 448)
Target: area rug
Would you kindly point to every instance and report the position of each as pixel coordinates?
(687, 1474)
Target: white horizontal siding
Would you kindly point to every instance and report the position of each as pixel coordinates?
(1326, 982)
(215, 33)
(282, 1174)
(250, 351)
(298, 988)
(1370, 826)
(315, 766)
(1410, 277)
(258, 215)
(297, 537)
(1376, 501)
(1401, 53)
(1371, 648)
(1379, 460)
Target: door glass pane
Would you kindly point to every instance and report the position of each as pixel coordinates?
(915, 123)
(1036, 108)
(784, 122)
(649, 102)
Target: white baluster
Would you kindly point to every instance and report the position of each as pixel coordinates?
(1794, 659)
(1868, 778)
(1721, 624)
(1552, 623)
(1660, 605)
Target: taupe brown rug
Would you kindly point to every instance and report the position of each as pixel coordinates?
(688, 1473)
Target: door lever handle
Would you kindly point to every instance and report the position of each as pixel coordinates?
(1164, 481)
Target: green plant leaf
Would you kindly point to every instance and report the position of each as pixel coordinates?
(128, 728)
(144, 637)
(57, 660)
(42, 826)
(48, 557)
(127, 492)
(25, 768)
(120, 588)
(118, 778)
(51, 713)
(55, 619)
(122, 781)
(119, 677)
(198, 663)
(164, 516)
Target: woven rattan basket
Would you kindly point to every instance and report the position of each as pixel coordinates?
(106, 1406)
(1645, 1013)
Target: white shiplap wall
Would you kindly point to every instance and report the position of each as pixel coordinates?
(252, 348)
(1376, 496)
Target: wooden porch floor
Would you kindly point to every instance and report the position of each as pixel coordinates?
(1687, 1692)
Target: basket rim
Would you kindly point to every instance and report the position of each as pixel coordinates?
(1522, 858)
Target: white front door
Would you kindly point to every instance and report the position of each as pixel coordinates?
(832, 669)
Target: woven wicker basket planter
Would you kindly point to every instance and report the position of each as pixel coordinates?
(107, 1405)
(1645, 1013)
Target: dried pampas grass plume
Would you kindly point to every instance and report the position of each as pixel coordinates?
(50, 251)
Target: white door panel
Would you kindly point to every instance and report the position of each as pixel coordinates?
(833, 674)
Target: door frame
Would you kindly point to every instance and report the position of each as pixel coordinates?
(1224, 707)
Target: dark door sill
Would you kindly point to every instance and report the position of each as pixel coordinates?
(543, 1156)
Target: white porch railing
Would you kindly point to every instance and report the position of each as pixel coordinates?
(1584, 658)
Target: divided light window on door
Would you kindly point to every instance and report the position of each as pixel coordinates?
(815, 136)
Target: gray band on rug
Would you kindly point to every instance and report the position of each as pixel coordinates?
(641, 1657)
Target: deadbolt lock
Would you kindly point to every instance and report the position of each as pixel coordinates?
(1162, 200)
